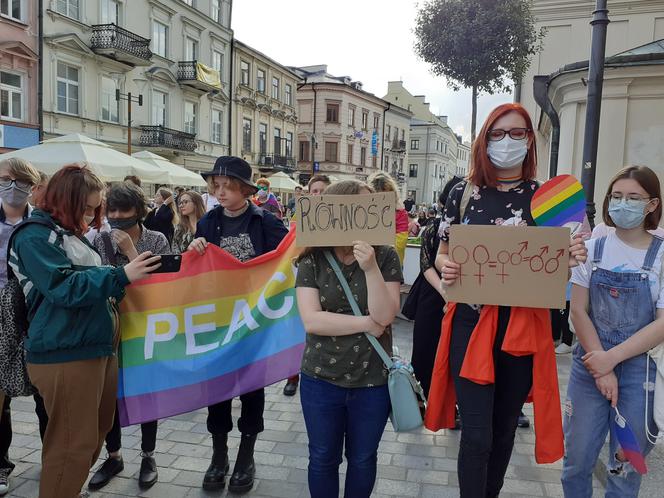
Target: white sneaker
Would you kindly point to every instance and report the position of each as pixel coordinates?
(4, 481)
(563, 349)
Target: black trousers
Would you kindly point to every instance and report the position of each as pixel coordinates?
(489, 413)
(6, 433)
(220, 422)
(148, 435)
(560, 325)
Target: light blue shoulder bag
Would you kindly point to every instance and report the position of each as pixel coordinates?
(403, 386)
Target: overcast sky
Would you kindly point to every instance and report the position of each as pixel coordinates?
(369, 40)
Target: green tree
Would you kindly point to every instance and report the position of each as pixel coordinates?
(477, 44)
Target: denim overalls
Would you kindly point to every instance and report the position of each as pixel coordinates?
(621, 304)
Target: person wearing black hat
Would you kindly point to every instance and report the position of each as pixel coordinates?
(245, 231)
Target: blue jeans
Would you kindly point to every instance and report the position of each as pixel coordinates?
(336, 415)
(586, 423)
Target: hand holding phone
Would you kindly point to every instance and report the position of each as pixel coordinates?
(170, 263)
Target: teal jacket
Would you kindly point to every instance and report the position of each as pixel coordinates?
(67, 294)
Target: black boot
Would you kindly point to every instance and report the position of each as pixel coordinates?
(242, 479)
(215, 477)
(148, 475)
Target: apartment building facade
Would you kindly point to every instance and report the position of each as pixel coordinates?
(432, 148)
(19, 74)
(174, 54)
(339, 128)
(631, 124)
(463, 159)
(264, 117)
(394, 148)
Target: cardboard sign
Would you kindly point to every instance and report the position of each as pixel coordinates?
(510, 266)
(338, 220)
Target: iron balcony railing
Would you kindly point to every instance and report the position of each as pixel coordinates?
(198, 75)
(158, 136)
(111, 36)
(277, 161)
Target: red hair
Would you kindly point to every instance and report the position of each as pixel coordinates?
(66, 197)
(482, 172)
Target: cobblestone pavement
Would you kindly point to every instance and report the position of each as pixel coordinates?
(418, 464)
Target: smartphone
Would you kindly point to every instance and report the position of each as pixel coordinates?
(170, 263)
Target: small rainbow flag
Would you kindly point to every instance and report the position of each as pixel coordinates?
(628, 443)
(559, 201)
(217, 329)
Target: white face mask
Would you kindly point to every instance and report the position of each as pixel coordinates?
(507, 153)
(88, 219)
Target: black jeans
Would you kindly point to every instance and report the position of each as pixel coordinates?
(489, 413)
(6, 433)
(560, 326)
(220, 422)
(148, 435)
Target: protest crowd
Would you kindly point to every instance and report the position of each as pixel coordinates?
(72, 248)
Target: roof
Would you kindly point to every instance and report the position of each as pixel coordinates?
(270, 59)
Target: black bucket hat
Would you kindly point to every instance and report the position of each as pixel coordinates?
(234, 167)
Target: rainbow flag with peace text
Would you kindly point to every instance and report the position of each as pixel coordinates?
(216, 329)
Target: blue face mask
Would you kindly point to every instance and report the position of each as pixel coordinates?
(627, 213)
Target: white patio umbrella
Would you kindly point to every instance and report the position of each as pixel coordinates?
(282, 182)
(107, 163)
(177, 175)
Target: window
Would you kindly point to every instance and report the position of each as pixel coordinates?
(288, 94)
(67, 83)
(216, 10)
(332, 113)
(11, 8)
(160, 39)
(159, 108)
(414, 145)
(190, 49)
(190, 119)
(376, 121)
(351, 117)
(218, 62)
(331, 150)
(246, 135)
(262, 138)
(412, 172)
(388, 131)
(110, 108)
(277, 141)
(289, 144)
(260, 80)
(110, 12)
(275, 88)
(244, 73)
(445, 147)
(217, 120)
(403, 135)
(363, 156)
(349, 154)
(304, 150)
(69, 8)
(396, 133)
(365, 120)
(11, 96)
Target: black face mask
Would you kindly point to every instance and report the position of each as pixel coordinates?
(122, 223)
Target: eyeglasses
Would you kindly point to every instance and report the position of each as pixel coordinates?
(617, 196)
(6, 182)
(515, 134)
(184, 202)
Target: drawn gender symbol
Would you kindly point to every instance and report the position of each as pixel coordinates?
(481, 256)
(460, 256)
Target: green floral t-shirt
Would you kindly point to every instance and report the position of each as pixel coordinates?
(347, 361)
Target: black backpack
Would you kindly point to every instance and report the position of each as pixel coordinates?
(14, 380)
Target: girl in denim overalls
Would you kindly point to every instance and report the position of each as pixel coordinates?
(618, 314)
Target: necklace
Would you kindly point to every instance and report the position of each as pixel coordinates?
(239, 212)
(510, 180)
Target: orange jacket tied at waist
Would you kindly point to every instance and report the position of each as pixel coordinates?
(528, 333)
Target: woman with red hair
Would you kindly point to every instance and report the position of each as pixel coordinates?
(489, 357)
(73, 331)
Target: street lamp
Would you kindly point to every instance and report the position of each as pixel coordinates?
(129, 98)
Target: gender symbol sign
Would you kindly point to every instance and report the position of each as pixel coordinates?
(510, 266)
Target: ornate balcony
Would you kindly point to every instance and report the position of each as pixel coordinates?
(158, 136)
(276, 162)
(197, 75)
(119, 44)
